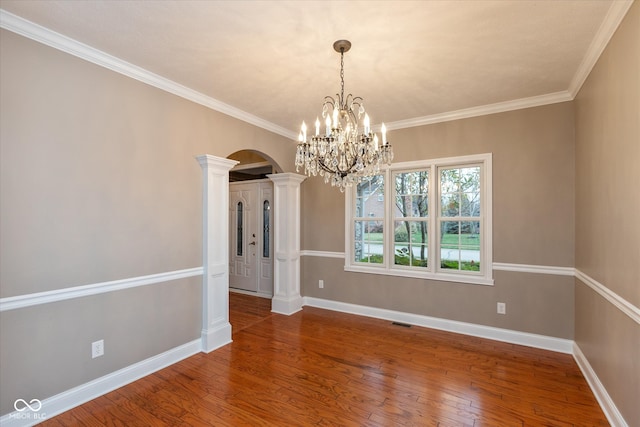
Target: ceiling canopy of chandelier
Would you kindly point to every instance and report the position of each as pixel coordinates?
(345, 153)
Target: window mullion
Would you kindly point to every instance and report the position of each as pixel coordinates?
(389, 202)
(434, 216)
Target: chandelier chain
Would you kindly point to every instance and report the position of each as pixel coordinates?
(341, 78)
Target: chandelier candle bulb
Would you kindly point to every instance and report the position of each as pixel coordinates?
(383, 129)
(328, 123)
(317, 126)
(304, 132)
(367, 124)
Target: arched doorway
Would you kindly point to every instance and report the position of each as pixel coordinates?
(251, 226)
(216, 329)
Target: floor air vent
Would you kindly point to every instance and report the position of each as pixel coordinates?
(404, 325)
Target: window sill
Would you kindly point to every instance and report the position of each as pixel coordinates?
(443, 277)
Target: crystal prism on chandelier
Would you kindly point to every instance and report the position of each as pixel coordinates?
(345, 153)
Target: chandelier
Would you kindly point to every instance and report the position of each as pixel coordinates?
(345, 153)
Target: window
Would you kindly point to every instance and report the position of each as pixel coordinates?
(427, 219)
(239, 229)
(266, 220)
(368, 230)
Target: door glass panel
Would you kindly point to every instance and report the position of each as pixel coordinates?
(239, 242)
(266, 210)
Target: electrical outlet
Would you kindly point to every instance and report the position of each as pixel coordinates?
(502, 308)
(97, 349)
(321, 284)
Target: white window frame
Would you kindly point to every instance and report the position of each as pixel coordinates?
(433, 271)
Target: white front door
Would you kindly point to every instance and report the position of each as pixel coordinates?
(250, 237)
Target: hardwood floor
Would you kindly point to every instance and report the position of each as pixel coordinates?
(324, 368)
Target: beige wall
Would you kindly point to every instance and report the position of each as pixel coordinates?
(607, 213)
(533, 210)
(99, 182)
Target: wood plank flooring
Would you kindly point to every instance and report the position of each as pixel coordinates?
(323, 368)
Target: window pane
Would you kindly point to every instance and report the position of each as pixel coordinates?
(450, 259)
(450, 204)
(449, 180)
(266, 210)
(470, 204)
(368, 242)
(470, 235)
(470, 179)
(412, 194)
(239, 242)
(368, 200)
(460, 245)
(460, 192)
(411, 242)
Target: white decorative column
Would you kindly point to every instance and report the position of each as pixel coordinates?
(216, 329)
(286, 239)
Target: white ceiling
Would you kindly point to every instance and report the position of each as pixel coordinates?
(272, 62)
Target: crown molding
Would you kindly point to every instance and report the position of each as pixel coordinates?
(612, 20)
(65, 44)
(483, 110)
(16, 24)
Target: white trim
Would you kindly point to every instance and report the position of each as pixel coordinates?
(489, 332)
(28, 300)
(622, 304)
(522, 268)
(216, 329)
(21, 26)
(609, 408)
(65, 44)
(245, 166)
(76, 396)
(416, 274)
(322, 254)
(538, 269)
(286, 242)
(483, 110)
(612, 20)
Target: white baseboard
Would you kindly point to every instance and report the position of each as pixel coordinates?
(216, 336)
(286, 306)
(606, 403)
(505, 335)
(69, 399)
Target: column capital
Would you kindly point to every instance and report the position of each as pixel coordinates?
(217, 163)
(286, 178)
